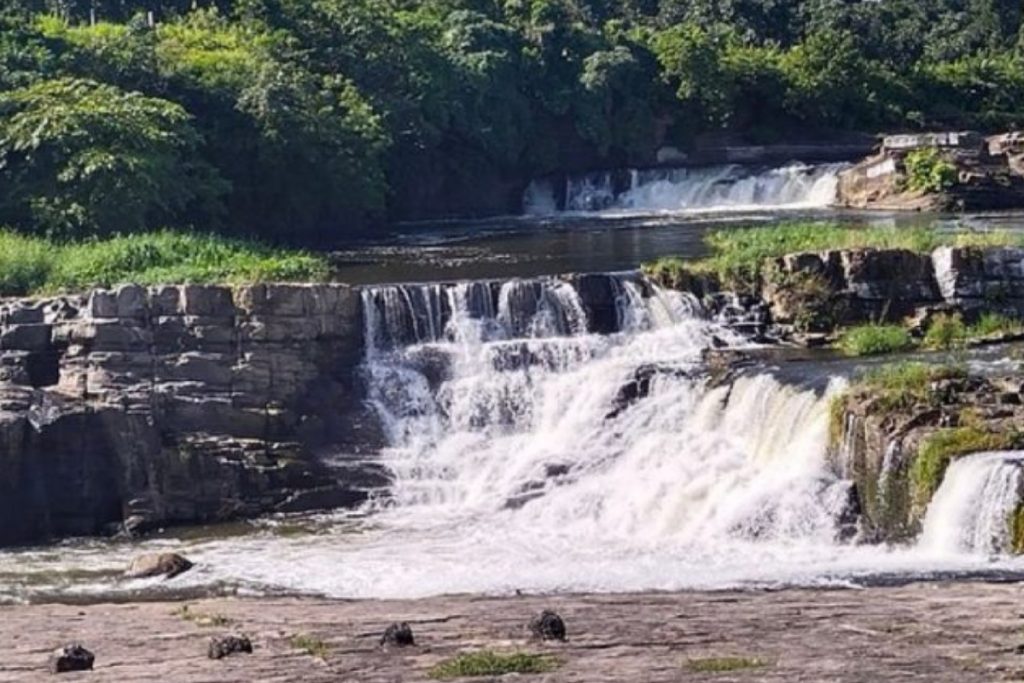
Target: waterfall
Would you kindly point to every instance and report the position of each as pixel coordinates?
(713, 188)
(970, 513)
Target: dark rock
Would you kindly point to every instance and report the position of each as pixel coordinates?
(548, 626)
(398, 635)
(639, 387)
(167, 565)
(225, 646)
(72, 657)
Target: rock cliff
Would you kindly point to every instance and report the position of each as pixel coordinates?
(135, 408)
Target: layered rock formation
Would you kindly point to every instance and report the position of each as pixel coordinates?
(896, 443)
(988, 174)
(136, 408)
(820, 291)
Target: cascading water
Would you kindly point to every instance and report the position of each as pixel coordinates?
(971, 511)
(714, 188)
(529, 451)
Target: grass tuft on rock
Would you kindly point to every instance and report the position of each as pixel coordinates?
(873, 339)
(723, 664)
(490, 663)
(32, 265)
(900, 386)
(311, 645)
(202, 618)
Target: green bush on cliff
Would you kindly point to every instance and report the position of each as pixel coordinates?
(870, 340)
(901, 386)
(929, 171)
(35, 265)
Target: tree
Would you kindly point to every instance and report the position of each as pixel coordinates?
(82, 158)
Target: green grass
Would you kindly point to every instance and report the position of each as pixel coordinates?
(739, 254)
(940, 449)
(946, 332)
(900, 386)
(723, 664)
(490, 663)
(995, 323)
(870, 340)
(30, 265)
(202, 618)
(309, 644)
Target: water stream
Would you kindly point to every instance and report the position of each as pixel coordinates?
(530, 452)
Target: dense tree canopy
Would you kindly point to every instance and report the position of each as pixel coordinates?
(308, 119)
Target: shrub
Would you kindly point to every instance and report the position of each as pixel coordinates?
(870, 340)
(929, 171)
(489, 663)
(995, 323)
(946, 332)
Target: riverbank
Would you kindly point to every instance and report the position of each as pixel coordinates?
(928, 631)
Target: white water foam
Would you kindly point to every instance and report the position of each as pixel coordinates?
(683, 190)
(530, 454)
(970, 513)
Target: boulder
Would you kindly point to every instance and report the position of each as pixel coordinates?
(167, 565)
(397, 635)
(548, 625)
(71, 657)
(225, 646)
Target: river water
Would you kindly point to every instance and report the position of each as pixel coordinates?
(529, 453)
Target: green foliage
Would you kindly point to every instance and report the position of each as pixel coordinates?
(991, 324)
(940, 449)
(724, 664)
(29, 264)
(490, 663)
(82, 158)
(904, 385)
(946, 332)
(929, 171)
(1016, 523)
(871, 340)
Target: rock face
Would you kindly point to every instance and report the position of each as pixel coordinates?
(134, 408)
(167, 565)
(989, 174)
(225, 646)
(820, 291)
(72, 657)
(896, 449)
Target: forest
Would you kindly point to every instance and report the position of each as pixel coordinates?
(309, 121)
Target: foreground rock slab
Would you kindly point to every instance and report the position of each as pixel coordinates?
(961, 632)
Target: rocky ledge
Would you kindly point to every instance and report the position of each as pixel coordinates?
(958, 632)
(135, 408)
(805, 297)
(979, 174)
(896, 435)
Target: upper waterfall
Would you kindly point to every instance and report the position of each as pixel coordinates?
(714, 188)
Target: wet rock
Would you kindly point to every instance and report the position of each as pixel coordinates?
(72, 657)
(548, 626)
(167, 565)
(639, 387)
(225, 646)
(397, 635)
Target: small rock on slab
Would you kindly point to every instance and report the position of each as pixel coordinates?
(168, 565)
(398, 635)
(223, 646)
(548, 626)
(72, 657)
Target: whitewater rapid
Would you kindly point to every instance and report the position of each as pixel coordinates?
(725, 188)
(530, 453)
